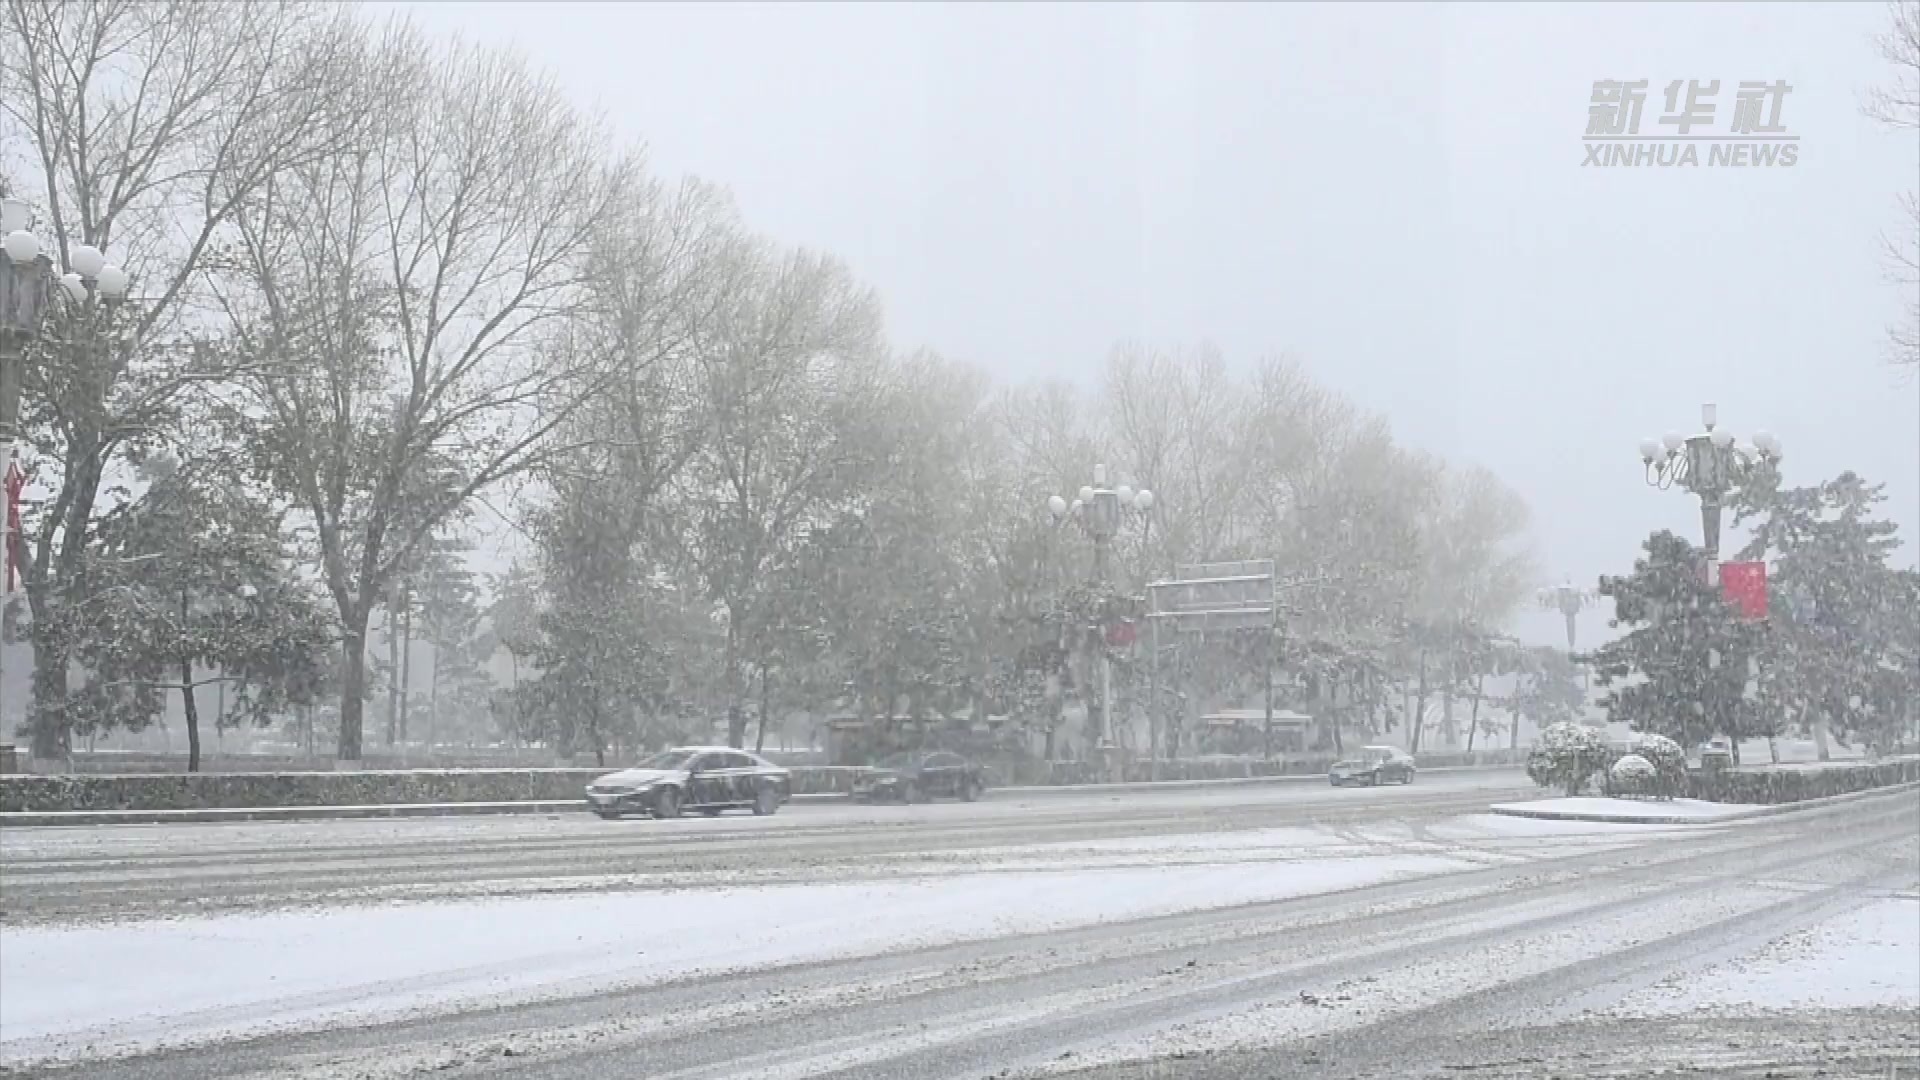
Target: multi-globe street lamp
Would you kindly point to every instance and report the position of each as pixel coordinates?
(1711, 465)
(28, 285)
(1100, 511)
(1569, 600)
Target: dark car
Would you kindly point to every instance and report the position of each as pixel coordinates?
(1373, 765)
(708, 779)
(917, 777)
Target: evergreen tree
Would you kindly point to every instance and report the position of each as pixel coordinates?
(1841, 633)
(194, 587)
(1681, 670)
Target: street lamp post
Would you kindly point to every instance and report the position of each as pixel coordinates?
(27, 285)
(28, 288)
(1710, 465)
(1570, 600)
(1100, 511)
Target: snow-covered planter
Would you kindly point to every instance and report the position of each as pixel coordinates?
(1633, 775)
(1669, 763)
(1785, 784)
(1567, 755)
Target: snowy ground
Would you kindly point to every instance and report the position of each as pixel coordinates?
(1602, 808)
(129, 985)
(1865, 958)
(1403, 932)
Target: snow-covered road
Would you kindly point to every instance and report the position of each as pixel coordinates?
(1342, 946)
(62, 874)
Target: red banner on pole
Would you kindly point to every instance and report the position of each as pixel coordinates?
(16, 481)
(1744, 584)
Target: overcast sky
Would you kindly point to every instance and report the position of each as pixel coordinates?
(1394, 194)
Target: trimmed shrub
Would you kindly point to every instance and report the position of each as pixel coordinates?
(1567, 755)
(1633, 775)
(1669, 763)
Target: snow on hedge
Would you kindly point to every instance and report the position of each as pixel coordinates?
(1634, 767)
(1567, 755)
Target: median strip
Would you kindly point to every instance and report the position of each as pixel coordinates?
(202, 815)
(1692, 812)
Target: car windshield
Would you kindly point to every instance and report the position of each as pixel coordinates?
(1376, 753)
(668, 759)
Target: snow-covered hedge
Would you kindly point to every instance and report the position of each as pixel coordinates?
(1567, 755)
(188, 791)
(1785, 785)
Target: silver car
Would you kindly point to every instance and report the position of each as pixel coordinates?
(708, 779)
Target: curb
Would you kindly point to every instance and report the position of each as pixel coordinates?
(1678, 819)
(204, 815)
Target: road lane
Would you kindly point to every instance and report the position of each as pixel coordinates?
(1400, 979)
(59, 874)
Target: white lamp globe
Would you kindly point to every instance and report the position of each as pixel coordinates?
(1143, 499)
(21, 246)
(1056, 505)
(1722, 438)
(1086, 494)
(1649, 450)
(87, 260)
(113, 282)
(1674, 441)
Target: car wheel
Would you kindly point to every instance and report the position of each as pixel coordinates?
(666, 804)
(608, 815)
(1408, 779)
(765, 802)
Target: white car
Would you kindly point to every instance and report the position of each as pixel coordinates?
(708, 779)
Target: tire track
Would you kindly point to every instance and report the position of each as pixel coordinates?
(1173, 969)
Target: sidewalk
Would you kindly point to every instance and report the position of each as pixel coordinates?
(35, 819)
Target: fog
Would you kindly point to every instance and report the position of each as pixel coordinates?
(1395, 195)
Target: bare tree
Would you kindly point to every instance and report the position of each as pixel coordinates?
(1182, 427)
(786, 371)
(145, 127)
(412, 309)
(1897, 104)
